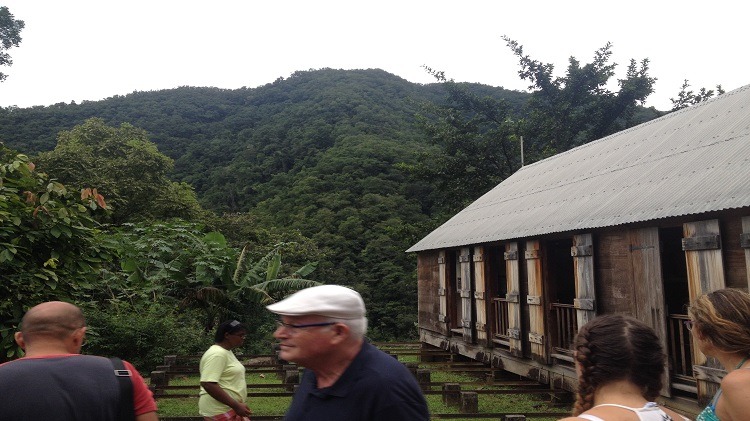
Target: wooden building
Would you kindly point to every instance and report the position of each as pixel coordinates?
(639, 222)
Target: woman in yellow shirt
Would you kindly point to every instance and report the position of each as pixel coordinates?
(223, 392)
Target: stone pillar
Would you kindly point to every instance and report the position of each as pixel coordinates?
(285, 368)
(291, 378)
(165, 369)
(159, 379)
(451, 394)
(469, 403)
(423, 378)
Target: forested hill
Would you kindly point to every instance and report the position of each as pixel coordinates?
(229, 143)
(319, 153)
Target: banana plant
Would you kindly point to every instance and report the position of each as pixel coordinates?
(259, 281)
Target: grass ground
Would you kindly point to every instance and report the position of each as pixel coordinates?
(488, 403)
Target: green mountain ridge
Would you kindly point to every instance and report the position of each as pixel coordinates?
(319, 153)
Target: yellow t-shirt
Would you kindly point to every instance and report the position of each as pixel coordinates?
(219, 365)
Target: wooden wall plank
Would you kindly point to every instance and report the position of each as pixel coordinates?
(649, 287)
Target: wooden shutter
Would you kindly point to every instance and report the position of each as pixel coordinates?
(583, 267)
(513, 276)
(465, 291)
(705, 267)
(535, 301)
(480, 296)
(443, 293)
(645, 259)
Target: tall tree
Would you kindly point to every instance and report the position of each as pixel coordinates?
(480, 137)
(123, 164)
(10, 36)
(568, 111)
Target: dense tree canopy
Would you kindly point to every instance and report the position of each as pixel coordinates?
(125, 167)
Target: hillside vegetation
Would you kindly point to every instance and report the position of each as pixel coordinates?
(349, 166)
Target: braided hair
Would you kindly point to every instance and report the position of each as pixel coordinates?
(615, 347)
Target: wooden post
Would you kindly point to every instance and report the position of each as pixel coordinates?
(469, 403)
(159, 379)
(291, 378)
(164, 368)
(451, 393)
(285, 368)
(170, 360)
(423, 378)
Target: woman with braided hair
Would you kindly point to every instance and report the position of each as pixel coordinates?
(620, 364)
(720, 326)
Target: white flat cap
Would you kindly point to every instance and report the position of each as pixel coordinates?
(334, 301)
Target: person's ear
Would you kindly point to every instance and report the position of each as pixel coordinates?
(19, 340)
(77, 338)
(341, 332)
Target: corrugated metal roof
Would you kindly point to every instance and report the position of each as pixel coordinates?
(691, 161)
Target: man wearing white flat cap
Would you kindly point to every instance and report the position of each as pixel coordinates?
(346, 378)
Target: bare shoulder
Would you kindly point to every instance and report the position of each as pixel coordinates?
(736, 381)
(572, 419)
(734, 403)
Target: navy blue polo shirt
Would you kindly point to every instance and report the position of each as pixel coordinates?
(375, 386)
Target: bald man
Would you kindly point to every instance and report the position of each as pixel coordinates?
(54, 382)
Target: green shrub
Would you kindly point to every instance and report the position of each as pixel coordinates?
(144, 333)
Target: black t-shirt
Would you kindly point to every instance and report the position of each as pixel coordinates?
(374, 387)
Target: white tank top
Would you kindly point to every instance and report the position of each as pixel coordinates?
(649, 412)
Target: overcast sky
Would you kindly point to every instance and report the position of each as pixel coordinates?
(74, 50)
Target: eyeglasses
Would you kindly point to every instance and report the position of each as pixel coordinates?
(688, 324)
(295, 328)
